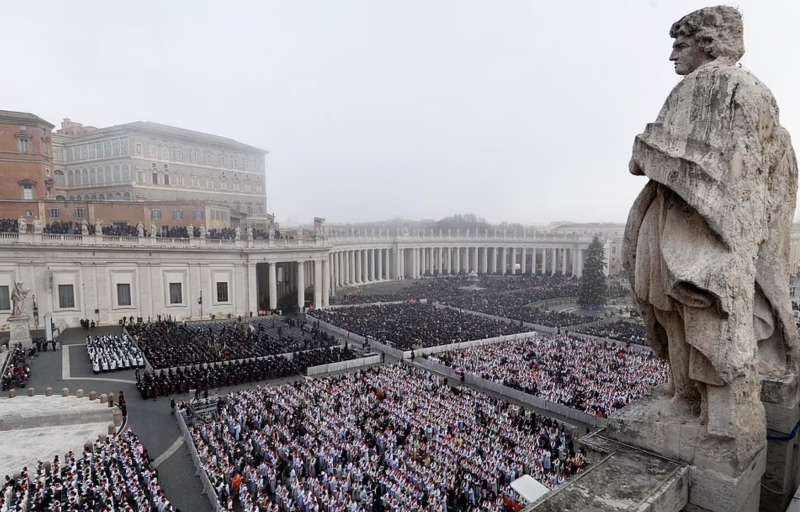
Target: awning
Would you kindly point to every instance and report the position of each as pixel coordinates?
(529, 488)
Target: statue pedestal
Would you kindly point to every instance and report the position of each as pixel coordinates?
(719, 480)
(781, 398)
(20, 331)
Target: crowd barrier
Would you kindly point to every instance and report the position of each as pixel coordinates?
(4, 361)
(468, 344)
(208, 490)
(535, 327)
(623, 344)
(509, 393)
(325, 369)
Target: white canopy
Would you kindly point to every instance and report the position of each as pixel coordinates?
(529, 488)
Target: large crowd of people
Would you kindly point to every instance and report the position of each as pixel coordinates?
(413, 325)
(67, 228)
(9, 226)
(389, 438)
(509, 296)
(111, 353)
(596, 378)
(620, 330)
(121, 229)
(201, 378)
(18, 370)
(115, 474)
(167, 343)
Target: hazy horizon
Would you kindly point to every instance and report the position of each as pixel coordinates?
(520, 112)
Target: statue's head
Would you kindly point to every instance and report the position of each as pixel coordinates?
(705, 35)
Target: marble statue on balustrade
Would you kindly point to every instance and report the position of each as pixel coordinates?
(707, 239)
(250, 233)
(84, 228)
(238, 233)
(140, 230)
(18, 296)
(18, 321)
(22, 227)
(98, 228)
(153, 231)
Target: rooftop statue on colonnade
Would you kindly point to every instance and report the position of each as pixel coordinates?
(707, 240)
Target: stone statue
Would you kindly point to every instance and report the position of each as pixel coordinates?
(140, 230)
(98, 228)
(18, 298)
(189, 231)
(21, 226)
(707, 240)
(38, 227)
(202, 231)
(250, 233)
(84, 228)
(153, 230)
(238, 233)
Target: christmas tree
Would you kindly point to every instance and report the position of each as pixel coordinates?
(593, 288)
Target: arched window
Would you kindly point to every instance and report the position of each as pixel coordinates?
(102, 197)
(93, 176)
(108, 174)
(127, 196)
(117, 196)
(70, 178)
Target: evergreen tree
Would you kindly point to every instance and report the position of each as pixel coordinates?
(593, 288)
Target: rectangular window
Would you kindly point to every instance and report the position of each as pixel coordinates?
(138, 149)
(222, 291)
(5, 299)
(155, 214)
(123, 294)
(79, 213)
(155, 178)
(166, 179)
(177, 214)
(66, 296)
(175, 293)
(53, 213)
(27, 192)
(23, 144)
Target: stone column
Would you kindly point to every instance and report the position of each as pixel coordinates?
(458, 260)
(579, 256)
(544, 260)
(380, 265)
(513, 268)
(356, 267)
(494, 260)
(553, 261)
(252, 289)
(523, 264)
(317, 284)
(273, 285)
(326, 283)
(504, 260)
(301, 284)
(399, 263)
(533, 261)
(564, 260)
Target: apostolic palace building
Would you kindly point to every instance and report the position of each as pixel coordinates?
(143, 219)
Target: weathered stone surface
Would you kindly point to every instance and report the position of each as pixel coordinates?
(20, 331)
(621, 478)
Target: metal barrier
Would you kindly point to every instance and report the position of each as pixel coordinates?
(351, 364)
(208, 490)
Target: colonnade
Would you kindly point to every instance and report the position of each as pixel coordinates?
(351, 267)
(359, 266)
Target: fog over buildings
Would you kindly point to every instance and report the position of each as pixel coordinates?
(519, 111)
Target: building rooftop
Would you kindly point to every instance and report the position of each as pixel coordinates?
(22, 118)
(164, 130)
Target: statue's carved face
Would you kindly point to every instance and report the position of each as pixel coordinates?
(688, 55)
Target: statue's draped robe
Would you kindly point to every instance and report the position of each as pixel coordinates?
(711, 229)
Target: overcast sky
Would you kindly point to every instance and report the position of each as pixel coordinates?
(513, 110)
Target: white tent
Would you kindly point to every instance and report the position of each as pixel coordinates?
(529, 488)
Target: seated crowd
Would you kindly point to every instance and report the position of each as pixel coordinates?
(596, 378)
(110, 353)
(620, 330)
(414, 325)
(18, 370)
(508, 296)
(233, 373)
(390, 438)
(167, 343)
(115, 474)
